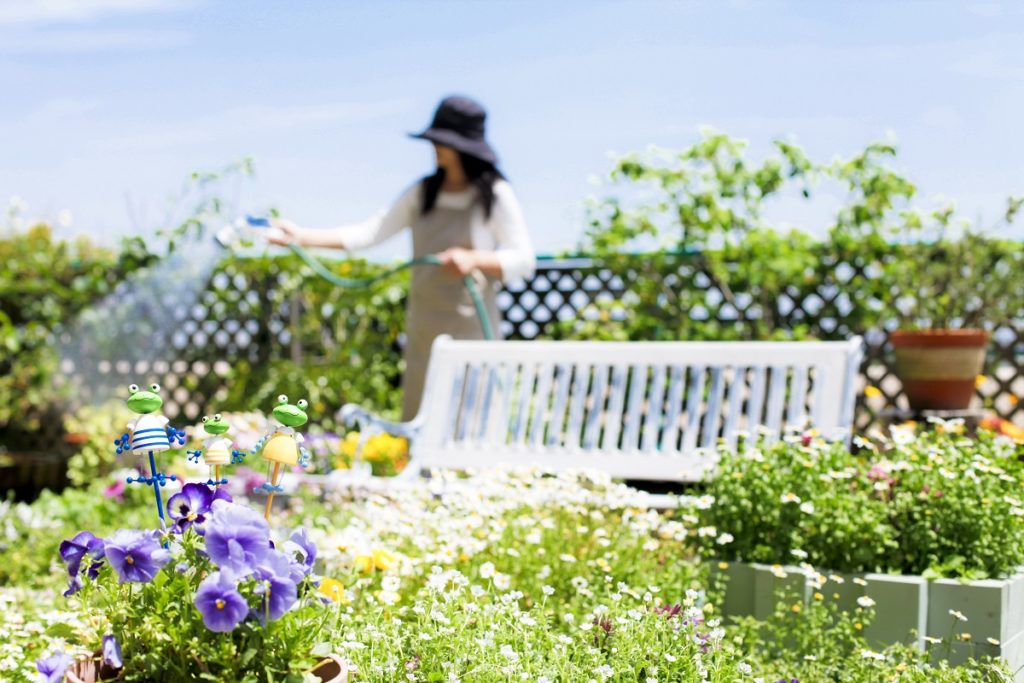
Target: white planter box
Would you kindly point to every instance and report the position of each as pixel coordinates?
(907, 608)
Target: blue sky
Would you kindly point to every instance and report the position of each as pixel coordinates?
(109, 104)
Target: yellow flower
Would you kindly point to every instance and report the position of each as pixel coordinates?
(723, 565)
(795, 609)
(383, 559)
(979, 381)
(872, 391)
(858, 626)
(333, 590)
(377, 559)
(819, 596)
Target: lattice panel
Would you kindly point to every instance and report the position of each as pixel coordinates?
(241, 316)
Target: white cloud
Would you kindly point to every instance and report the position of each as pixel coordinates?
(89, 40)
(250, 119)
(55, 11)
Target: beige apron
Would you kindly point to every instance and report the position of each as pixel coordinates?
(438, 302)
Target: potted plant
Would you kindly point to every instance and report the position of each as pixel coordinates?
(218, 594)
(951, 289)
(919, 526)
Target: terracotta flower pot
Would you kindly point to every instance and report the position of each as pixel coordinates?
(76, 438)
(91, 670)
(938, 367)
(333, 669)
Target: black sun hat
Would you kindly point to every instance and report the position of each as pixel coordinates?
(459, 123)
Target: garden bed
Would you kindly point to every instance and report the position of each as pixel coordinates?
(973, 618)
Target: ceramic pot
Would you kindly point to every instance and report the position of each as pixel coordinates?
(938, 367)
(332, 669)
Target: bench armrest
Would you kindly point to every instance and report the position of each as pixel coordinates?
(353, 415)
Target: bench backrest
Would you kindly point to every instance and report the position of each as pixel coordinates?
(639, 410)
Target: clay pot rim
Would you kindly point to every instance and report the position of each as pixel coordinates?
(939, 338)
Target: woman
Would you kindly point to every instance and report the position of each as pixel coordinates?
(467, 214)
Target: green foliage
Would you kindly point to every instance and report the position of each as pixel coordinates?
(44, 281)
(935, 503)
(97, 427)
(502, 576)
(815, 640)
(32, 533)
(345, 341)
(705, 210)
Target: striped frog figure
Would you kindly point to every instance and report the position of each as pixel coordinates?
(149, 433)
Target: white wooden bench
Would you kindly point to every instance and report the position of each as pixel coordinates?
(636, 410)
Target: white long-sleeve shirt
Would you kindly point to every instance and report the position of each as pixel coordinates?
(503, 233)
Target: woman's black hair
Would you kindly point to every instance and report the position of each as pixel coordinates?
(480, 173)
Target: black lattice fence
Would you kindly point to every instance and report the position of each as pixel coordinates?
(256, 316)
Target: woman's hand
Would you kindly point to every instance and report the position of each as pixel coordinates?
(458, 262)
(284, 232)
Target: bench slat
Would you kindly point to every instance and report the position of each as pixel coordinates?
(540, 403)
(735, 400)
(596, 408)
(522, 407)
(616, 401)
(755, 403)
(631, 430)
(776, 396)
(709, 433)
(796, 415)
(694, 399)
(558, 411)
(580, 384)
(673, 414)
(652, 423)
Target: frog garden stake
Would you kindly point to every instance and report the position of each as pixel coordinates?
(281, 446)
(217, 450)
(149, 433)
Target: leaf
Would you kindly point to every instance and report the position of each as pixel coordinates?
(61, 631)
(321, 649)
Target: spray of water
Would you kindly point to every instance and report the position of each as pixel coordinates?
(140, 331)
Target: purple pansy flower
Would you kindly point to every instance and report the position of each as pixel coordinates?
(300, 537)
(222, 606)
(54, 666)
(74, 550)
(112, 652)
(237, 538)
(136, 556)
(189, 506)
(280, 591)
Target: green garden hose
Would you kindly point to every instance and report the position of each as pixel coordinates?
(229, 234)
(361, 283)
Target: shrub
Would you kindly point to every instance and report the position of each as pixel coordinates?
(934, 502)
